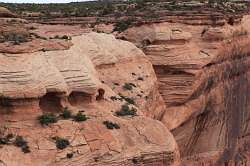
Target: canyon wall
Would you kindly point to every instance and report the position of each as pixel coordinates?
(203, 72)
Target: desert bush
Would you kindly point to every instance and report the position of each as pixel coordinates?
(66, 114)
(113, 98)
(47, 118)
(111, 125)
(129, 100)
(4, 141)
(123, 25)
(127, 86)
(22, 143)
(61, 143)
(125, 111)
(79, 117)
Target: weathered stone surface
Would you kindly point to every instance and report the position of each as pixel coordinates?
(32, 83)
(203, 80)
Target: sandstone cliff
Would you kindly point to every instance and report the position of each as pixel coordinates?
(96, 76)
(203, 77)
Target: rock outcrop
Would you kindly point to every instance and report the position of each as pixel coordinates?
(6, 13)
(16, 37)
(96, 76)
(203, 79)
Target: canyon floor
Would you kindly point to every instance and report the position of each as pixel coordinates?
(149, 84)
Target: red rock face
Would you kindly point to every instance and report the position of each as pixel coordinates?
(200, 94)
(203, 79)
(35, 83)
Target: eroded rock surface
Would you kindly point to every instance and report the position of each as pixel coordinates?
(96, 64)
(203, 78)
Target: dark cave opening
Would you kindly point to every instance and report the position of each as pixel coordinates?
(51, 102)
(76, 98)
(100, 95)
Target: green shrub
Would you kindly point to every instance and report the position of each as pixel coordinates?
(4, 141)
(127, 99)
(127, 86)
(111, 125)
(113, 98)
(123, 25)
(66, 114)
(61, 143)
(26, 149)
(126, 111)
(132, 84)
(22, 143)
(19, 141)
(79, 117)
(47, 118)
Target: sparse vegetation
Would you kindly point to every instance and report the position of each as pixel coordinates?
(61, 143)
(80, 117)
(123, 25)
(126, 111)
(6, 139)
(13, 37)
(18, 141)
(122, 97)
(111, 125)
(114, 98)
(47, 118)
(127, 86)
(66, 114)
(22, 143)
(129, 100)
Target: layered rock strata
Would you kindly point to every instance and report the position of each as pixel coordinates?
(97, 64)
(203, 78)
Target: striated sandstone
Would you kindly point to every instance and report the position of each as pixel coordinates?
(203, 79)
(33, 83)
